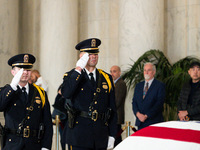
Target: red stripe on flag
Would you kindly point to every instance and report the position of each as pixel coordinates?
(186, 135)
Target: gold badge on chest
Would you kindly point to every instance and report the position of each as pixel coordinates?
(104, 85)
(37, 100)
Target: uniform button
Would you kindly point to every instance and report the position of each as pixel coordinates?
(28, 117)
(15, 104)
(94, 93)
(81, 89)
(106, 91)
(76, 122)
(9, 90)
(95, 102)
(9, 140)
(38, 106)
(27, 108)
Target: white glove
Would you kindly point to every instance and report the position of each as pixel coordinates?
(16, 79)
(44, 148)
(111, 141)
(82, 62)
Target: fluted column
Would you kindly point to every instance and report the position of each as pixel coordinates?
(99, 18)
(183, 29)
(8, 39)
(141, 28)
(58, 36)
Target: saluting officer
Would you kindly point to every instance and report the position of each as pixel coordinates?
(28, 124)
(91, 91)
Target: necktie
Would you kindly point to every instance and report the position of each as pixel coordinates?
(24, 94)
(92, 79)
(145, 90)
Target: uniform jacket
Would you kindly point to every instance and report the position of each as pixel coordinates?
(15, 110)
(86, 132)
(120, 96)
(194, 109)
(151, 105)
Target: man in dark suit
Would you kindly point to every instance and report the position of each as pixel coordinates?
(148, 99)
(28, 123)
(91, 91)
(189, 99)
(120, 96)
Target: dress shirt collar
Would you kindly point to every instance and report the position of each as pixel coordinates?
(26, 86)
(94, 73)
(116, 80)
(150, 82)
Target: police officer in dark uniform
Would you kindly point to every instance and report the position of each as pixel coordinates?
(91, 91)
(28, 124)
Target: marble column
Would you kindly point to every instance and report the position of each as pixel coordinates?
(182, 29)
(141, 28)
(99, 18)
(8, 39)
(58, 37)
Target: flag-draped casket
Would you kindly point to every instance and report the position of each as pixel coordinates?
(172, 135)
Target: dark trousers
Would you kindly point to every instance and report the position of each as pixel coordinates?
(14, 142)
(82, 148)
(118, 138)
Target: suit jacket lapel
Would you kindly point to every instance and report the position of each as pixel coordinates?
(151, 87)
(142, 89)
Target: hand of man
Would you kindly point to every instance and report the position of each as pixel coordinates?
(182, 114)
(16, 79)
(82, 62)
(111, 141)
(141, 117)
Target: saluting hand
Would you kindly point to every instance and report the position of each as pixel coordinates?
(82, 62)
(16, 79)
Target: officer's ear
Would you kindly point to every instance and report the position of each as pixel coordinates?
(13, 71)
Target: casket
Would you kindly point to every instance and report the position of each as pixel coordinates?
(172, 135)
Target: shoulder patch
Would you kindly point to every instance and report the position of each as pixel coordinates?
(41, 92)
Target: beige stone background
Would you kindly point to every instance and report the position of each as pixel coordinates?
(49, 29)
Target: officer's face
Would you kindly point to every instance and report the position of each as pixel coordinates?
(93, 60)
(25, 76)
(194, 73)
(115, 72)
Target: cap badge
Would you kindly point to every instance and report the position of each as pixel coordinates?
(26, 58)
(93, 43)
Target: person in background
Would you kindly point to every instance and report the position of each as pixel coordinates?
(120, 96)
(189, 100)
(59, 109)
(38, 80)
(92, 123)
(28, 123)
(148, 99)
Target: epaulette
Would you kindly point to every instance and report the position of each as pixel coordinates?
(66, 74)
(106, 76)
(41, 92)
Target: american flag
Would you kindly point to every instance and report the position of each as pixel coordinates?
(172, 135)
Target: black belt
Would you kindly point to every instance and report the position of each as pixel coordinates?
(26, 132)
(92, 115)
